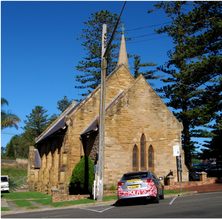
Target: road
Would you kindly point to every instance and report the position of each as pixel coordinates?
(201, 205)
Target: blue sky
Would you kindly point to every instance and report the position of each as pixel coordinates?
(39, 49)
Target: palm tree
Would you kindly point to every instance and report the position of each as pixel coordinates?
(8, 119)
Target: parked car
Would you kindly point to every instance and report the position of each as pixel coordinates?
(214, 171)
(140, 184)
(194, 173)
(4, 183)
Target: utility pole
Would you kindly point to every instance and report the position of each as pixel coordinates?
(105, 49)
(102, 117)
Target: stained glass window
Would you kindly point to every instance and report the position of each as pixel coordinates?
(143, 141)
(135, 156)
(150, 156)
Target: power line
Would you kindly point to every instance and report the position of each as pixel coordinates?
(9, 133)
(146, 40)
(145, 35)
(154, 25)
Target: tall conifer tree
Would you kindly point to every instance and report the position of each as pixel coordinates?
(191, 67)
(91, 38)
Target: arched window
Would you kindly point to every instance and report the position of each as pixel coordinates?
(142, 152)
(135, 158)
(150, 158)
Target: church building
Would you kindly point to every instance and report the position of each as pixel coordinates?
(140, 134)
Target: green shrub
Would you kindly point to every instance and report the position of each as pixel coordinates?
(79, 181)
(112, 187)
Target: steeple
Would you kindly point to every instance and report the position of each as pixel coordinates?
(123, 59)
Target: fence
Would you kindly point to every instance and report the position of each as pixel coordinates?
(17, 181)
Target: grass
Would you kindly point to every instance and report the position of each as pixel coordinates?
(16, 172)
(66, 203)
(172, 192)
(5, 209)
(13, 171)
(24, 204)
(109, 198)
(25, 195)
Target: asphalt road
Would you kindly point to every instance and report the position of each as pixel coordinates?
(201, 205)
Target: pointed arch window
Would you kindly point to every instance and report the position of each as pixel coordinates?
(142, 151)
(135, 158)
(150, 158)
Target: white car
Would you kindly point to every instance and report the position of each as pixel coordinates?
(4, 183)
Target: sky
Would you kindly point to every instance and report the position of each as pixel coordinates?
(40, 50)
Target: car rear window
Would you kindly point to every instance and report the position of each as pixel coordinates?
(128, 176)
(4, 179)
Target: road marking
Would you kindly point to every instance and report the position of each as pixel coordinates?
(98, 211)
(172, 201)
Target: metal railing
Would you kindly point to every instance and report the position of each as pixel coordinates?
(17, 181)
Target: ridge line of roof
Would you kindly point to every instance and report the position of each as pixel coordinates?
(80, 104)
(49, 128)
(113, 100)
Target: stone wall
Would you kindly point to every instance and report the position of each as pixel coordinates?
(58, 196)
(140, 111)
(204, 180)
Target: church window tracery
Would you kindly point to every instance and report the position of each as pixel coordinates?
(150, 158)
(142, 151)
(135, 158)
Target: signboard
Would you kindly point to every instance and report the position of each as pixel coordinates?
(95, 168)
(179, 165)
(176, 151)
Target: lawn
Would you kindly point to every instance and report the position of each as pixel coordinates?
(173, 192)
(17, 174)
(25, 204)
(25, 195)
(13, 171)
(62, 204)
(5, 209)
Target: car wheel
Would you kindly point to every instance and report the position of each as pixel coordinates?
(162, 193)
(156, 199)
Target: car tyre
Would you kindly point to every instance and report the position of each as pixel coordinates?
(162, 193)
(156, 199)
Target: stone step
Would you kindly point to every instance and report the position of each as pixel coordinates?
(21, 188)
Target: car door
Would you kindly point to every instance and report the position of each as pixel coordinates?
(157, 183)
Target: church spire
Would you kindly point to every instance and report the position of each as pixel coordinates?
(123, 59)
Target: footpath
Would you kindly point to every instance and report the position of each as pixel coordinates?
(216, 187)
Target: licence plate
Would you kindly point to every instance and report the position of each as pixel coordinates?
(132, 180)
(133, 187)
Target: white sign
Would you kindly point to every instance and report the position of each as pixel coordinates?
(176, 150)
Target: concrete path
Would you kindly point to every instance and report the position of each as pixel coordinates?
(4, 203)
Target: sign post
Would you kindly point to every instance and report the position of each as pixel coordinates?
(176, 153)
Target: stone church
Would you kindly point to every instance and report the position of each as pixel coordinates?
(140, 132)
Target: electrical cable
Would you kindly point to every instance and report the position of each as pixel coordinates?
(154, 25)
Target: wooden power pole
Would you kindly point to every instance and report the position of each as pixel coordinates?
(102, 118)
(105, 49)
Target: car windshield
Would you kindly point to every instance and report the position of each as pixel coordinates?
(128, 176)
(4, 179)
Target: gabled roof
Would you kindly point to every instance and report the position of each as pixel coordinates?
(59, 123)
(93, 125)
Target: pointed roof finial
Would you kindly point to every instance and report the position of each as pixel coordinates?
(123, 59)
(123, 28)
